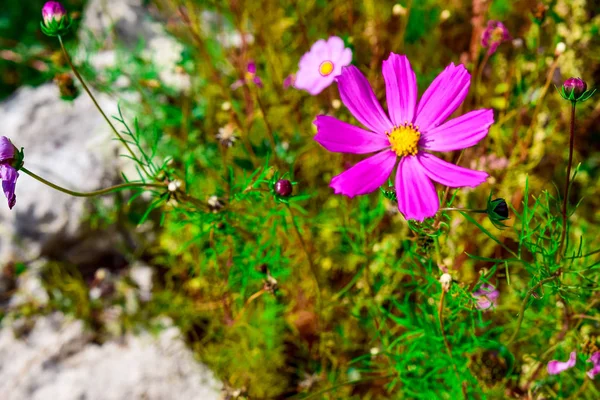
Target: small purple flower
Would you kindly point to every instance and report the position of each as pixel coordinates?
(53, 11)
(556, 367)
(322, 64)
(289, 81)
(8, 174)
(249, 77)
(486, 297)
(595, 358)
(494, 34)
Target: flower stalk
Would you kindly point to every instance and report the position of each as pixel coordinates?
(112, 189)
(88, 91)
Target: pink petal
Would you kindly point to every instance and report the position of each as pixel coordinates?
(335, 47)
(556, 367)
(312, 82)
(595, 358)
(366, 176)
(449, 174)
(357, 95)
(444, 95)
(338, 136)
(458, 133)
(417, 198)
(344, 59)
(320, 50)
(400, 89)
(593, 372)
(252, 67)
(7, 150)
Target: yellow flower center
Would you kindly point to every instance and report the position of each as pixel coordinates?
(326, 68)
(249, 76)
(497, 35)
(404, 139)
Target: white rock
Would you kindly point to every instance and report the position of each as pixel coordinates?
(58, 361)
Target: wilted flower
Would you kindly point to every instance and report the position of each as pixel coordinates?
(226, 135)
(283, 188)
(10, 160)
(556, 367)
(406, 134)
(575, 90)
(249, 77)
(494, 34)
(595, 358)
(486, 297)
(289, 81)
(55, 19)
(446, 281)
(322, 64)
(66, 86)
(215, 204)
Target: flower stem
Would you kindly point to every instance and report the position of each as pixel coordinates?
(526, 300)
(568, 181)
(88, 91)
(478, 211)
(123, 186)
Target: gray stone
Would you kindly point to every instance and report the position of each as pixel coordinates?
(56, 360)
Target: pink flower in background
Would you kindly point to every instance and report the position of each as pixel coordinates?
(8, 174)
(556, 367)
(486, 297)
(494, 34)
(595, 358)
(249, 77)
(410, 129)
(322, 64)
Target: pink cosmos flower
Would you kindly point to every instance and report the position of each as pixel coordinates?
(404, 136)
(595, 358)
(556, 367)
(494, 34)
(486, 297)
(8, 174)
(249, 77)
(322, 64)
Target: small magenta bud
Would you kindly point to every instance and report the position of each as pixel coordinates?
(577, 86)
(283, 188)
(53, 11)
(55, 21)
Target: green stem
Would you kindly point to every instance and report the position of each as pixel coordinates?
(568, 181)
(478, 211)
(89, 92)
(526, 300)
(123, 186)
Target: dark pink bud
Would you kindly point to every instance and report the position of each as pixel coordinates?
(575, 85)
(53, 11)
(283, 188)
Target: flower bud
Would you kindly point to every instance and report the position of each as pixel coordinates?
(283, 188)
(560, 48)
(577, 86)
(55, 22)
(497, 211)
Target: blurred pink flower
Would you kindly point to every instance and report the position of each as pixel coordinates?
(486, 297)
(249, 77)
(322, 64)
(556, 367)
(8, 174)
(595, 358)
(494, 34)
(404, 135)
